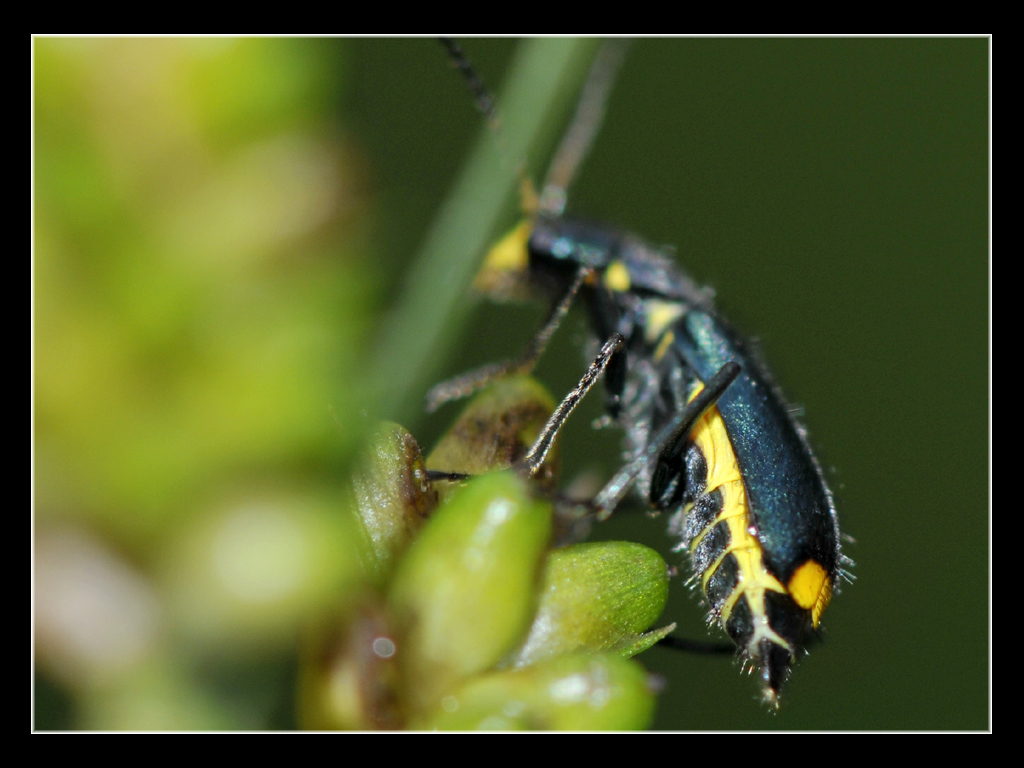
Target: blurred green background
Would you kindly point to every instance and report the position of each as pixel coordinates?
(223, 229)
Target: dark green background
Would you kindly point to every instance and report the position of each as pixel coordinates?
(834, 192)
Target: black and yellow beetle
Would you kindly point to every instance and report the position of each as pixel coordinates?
(710, 440)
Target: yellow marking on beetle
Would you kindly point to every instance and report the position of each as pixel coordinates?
(663, 345)
(712, 439)
(616, 277)
(723, 474)
(658, 317)
(811, 588)
(505, 268)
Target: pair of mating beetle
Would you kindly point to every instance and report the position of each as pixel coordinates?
(710, 441)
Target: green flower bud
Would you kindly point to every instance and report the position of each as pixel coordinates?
(464, 593)
(496, 429)
(578, 692)
(393, 496)
(597, 597)
(349, 675)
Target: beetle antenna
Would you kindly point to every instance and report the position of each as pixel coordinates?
(586, 123)
(486, 104)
